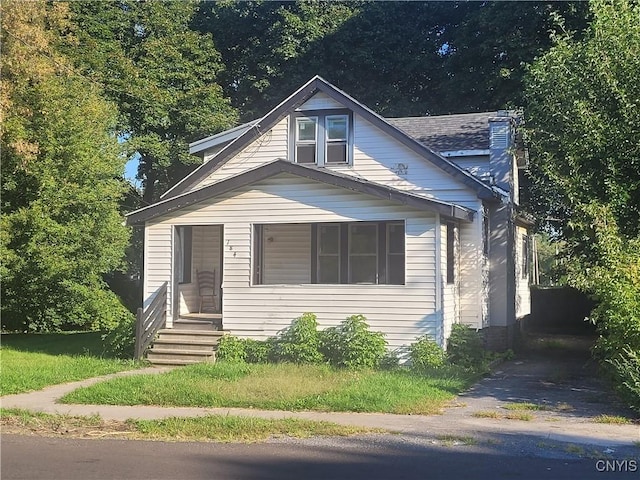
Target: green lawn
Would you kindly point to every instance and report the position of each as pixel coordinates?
(281, 387)
(34, 361)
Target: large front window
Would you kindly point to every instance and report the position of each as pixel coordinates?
(322, 138)
(330, 253)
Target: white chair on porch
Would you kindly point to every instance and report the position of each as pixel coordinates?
(206, 286)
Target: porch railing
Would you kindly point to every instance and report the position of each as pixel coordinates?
(150, 320)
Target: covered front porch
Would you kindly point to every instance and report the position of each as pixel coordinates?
(197, 278)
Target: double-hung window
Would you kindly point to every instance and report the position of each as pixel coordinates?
(322, 138)
(337, 136)
(306, 139)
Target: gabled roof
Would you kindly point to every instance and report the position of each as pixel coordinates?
(300, 96)
(220, 138)
(468, 131)
(325, 176)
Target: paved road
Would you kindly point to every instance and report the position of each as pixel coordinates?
(363, 458)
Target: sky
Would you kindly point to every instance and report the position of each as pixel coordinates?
(130, 170)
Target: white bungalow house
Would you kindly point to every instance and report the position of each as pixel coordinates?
(324, 206)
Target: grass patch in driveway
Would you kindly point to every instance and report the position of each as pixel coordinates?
(217, 428)
(33, 361)
(281, 387)
(524, 416)
(486, 414)
(612, 419)
(526, 406)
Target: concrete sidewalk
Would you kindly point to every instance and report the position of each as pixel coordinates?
(458, 420)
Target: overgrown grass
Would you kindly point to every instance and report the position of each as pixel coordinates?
(453, 440)
(31, 362)
(282, 387)
(486, 414)
(526, 406)
(612, 419)
(218, 428)
(523, 416)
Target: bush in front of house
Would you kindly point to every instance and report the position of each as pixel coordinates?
(119, 339)
(300, 342)
(352, 345)
(231, 349)
(257, 351)
(465, 347)
(426, 354)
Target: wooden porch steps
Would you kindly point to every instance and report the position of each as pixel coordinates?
(184, 346)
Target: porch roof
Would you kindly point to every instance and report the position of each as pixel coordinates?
(280, 166)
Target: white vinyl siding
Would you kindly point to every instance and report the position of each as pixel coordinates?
(157, 262)
(523, 290)
(382, 159)
(404, 312)
(477, 165)
(471, 275)
(270, 146)
(320, 101)
(376, 157)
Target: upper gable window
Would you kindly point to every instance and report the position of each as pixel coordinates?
(306, 139)
(322, 138)
(337, 129)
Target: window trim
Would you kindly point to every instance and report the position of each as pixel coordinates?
(321, 135)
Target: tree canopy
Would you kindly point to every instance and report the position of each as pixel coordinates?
(583, 100)
(61, 229)
(162, 75)
(399, 58)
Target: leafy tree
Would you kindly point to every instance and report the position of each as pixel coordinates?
(161, 74)
(584, 119)
(400, 58)
(61, 181)
(584, 124)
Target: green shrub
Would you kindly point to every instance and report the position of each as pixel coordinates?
(299, 342)
(231, 349)
(426, 354)
(257, 351)
(390, 360)
(627, 369)
(351, 344)
(465, 347)
(119, 341)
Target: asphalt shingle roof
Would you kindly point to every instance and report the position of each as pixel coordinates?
(468, 131)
